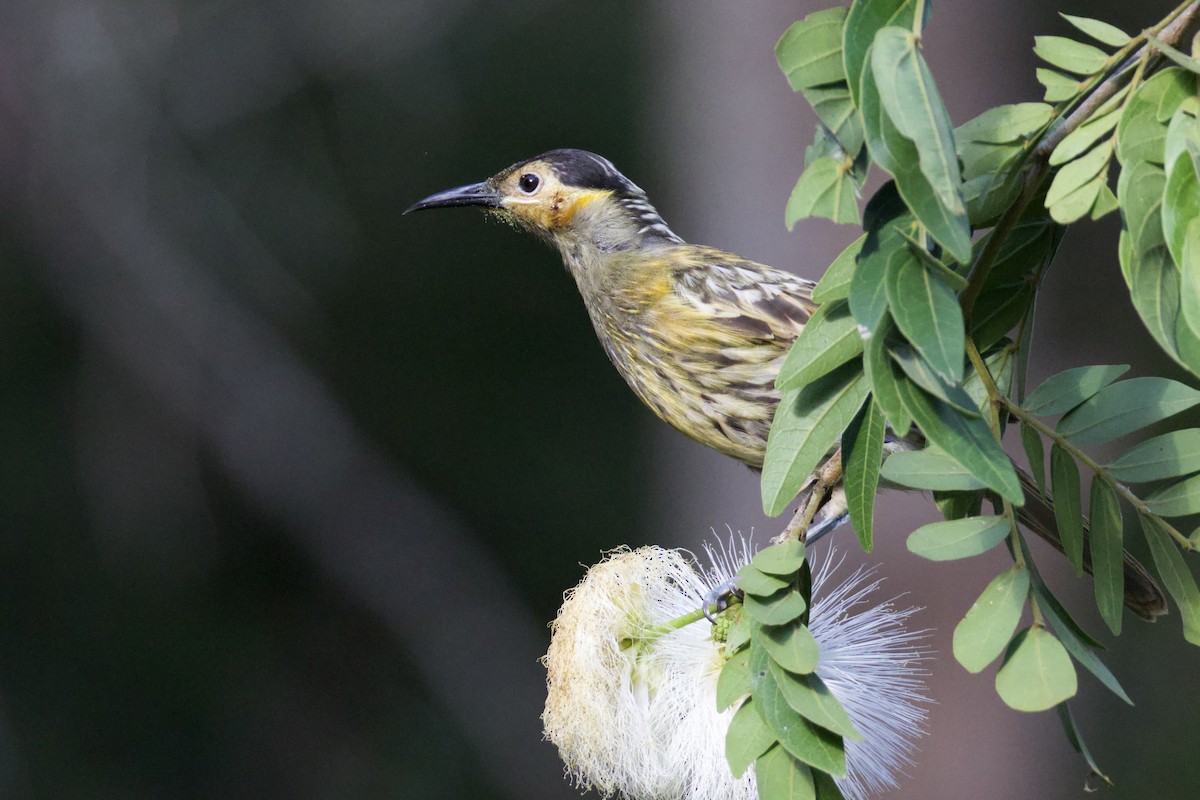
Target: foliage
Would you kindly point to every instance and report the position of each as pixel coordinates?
(926, 321)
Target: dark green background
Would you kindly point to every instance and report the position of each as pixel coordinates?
(290, 485)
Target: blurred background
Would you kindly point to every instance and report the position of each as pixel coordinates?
(290, 486)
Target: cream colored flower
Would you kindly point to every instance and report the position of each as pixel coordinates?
(631, 701)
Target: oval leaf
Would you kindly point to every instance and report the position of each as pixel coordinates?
(990, 622)
(1177, 499)
(782, 558)
(1126, 407)
(748, 738)
(960, 538)
(1070, 55)
(927, 313)
(1037, 673)
(1102, 32)
(928, 469)
(752, 580)
(814, 746)
(828, 340)
(1060, 393)
(807, 424)
(1167, 456)
(777, 609)
(810, 698)
(915, 107)
(791, 646)
(733, 683)
(1068, 505)
(1108, 562)
(1177, 577)
(862, 454)
(968, 441)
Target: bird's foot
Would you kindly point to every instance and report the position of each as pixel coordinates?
(718, 598)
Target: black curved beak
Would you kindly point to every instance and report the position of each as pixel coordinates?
(474, 194)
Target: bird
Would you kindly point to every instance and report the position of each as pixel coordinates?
(699, 334)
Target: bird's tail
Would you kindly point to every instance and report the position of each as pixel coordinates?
(1143, 596)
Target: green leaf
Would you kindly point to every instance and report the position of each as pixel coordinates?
(791, 646)
(1006, 124)
(1068, 506)
(1079, 140)
(1141, 133)
(814, 746)
(1058, 86)
(922, 374)
(783, 558)
(1100, 31)
(1189, 293)
(1060, 393)
(835, 283)
(1108, 564)
(776, 609)
(862, 453)
(748, 738)
(928, 314)
(828, 340)
(968, 441)
(1074, 188)
(898, 155)
(826, 189)
(752, 580)
(810, 51)
(1125, 407)
(1031, 440)
(1167, 456)
(807, 424)
(810, 698)
(946, 541)
(781, 776)
(991, 621)
(1181, 206)
(1177, 499)
(886, 378)
(928, 469)
(915, 107)
(1176, 576)
(868, 292)
(1070, 55)
(1077, 641)
(733, 683)
(865, 18)
(1037, 673)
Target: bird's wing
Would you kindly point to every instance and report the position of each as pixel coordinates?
(758, 300)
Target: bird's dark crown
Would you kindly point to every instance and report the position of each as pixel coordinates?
(584, 170)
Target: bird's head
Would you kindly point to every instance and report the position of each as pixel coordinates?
(569, 197)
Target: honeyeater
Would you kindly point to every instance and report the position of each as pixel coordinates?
(698, 333)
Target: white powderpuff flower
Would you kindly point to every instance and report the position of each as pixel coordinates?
(631, 700)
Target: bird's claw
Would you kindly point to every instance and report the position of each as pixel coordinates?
(718, 597)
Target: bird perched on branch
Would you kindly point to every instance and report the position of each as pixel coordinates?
(698, 333)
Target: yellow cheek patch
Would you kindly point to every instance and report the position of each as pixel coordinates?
(566, 208)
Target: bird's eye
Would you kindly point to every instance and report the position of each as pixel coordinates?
(529, 183)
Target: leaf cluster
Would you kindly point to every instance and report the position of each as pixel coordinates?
(924, 331)
(787, 723)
